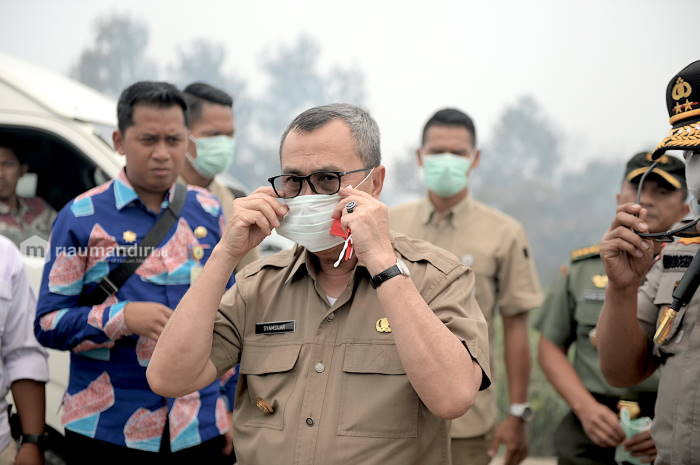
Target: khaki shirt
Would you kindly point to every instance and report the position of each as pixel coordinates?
(495, 247)
(676, 427)
(226, 199)
(34, 217)
(335, 383)
(569, 315)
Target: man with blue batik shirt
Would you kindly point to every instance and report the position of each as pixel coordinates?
(109, 411)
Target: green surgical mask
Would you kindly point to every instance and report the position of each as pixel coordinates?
(214, 155)
(446, 173)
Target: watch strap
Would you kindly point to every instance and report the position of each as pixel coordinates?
(385, 275)
(38, 439)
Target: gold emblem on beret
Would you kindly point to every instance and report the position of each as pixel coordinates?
(681, 89)
(129, 236)
(600, 281)
(382, 325)
(197, 252)
(264, 405)
(200, 232)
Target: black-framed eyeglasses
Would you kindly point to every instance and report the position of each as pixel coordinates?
(320, 182)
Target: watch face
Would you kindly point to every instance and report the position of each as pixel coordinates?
(402, 267)
(527, 414)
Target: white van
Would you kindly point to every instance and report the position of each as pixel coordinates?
(70, 128)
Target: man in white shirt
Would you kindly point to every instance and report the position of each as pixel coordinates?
(23, 366)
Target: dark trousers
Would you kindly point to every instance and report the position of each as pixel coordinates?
(83, 450)
(574, 447)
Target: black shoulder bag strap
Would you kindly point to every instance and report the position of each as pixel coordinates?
(116, 278)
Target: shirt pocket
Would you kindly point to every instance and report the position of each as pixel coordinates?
(376, 398)
(587, 312)
(270, 377)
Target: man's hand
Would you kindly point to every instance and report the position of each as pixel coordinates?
(146, 318)
(642, 445)
(29, 454)
(627, 257)
(369, 226)
(513, 434)
(601, 425)
(253, 219)
(228, 446)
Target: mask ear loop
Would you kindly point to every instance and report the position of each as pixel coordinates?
(342, 252)
(349, 238)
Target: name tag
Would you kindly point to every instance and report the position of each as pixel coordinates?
(594, 296)
(275, 327)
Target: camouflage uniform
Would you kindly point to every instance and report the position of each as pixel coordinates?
(33, 217)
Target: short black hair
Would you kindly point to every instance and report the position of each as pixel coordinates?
(200, 92)
(153, 93)
(12, 143)
(450, 117)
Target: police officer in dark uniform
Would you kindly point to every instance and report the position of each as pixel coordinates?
(589, 433)
(637, 330)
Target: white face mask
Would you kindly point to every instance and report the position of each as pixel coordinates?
(692, 174)
(308, 221)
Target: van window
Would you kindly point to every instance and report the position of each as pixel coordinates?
(62, 172)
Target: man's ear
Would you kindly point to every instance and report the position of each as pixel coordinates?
(191, 147)
(617, 199)
(118, 141)
(378, 181)
(419, 157)
(685, 209)
(476, 159)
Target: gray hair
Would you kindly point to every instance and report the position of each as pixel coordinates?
(364, 129)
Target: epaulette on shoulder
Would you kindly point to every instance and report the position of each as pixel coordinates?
(585, 253)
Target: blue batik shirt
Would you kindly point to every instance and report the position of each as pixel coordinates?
(108, 397)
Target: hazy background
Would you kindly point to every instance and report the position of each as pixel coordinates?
(562, 92)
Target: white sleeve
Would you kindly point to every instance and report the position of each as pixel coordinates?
(23, 357)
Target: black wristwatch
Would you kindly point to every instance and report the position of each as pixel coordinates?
(399, 269)
(40, 440)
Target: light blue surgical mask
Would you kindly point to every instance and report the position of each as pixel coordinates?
(446, 173)
(214, 154)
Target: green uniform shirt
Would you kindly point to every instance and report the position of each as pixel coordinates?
(569, 314)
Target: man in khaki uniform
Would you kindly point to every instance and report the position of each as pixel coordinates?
(357, 360)
(495, 247)
(212, 146)
(637, 331)
(589, 433)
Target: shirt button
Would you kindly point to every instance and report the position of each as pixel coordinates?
(310, 421)
(331, 317)
(319, 367)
